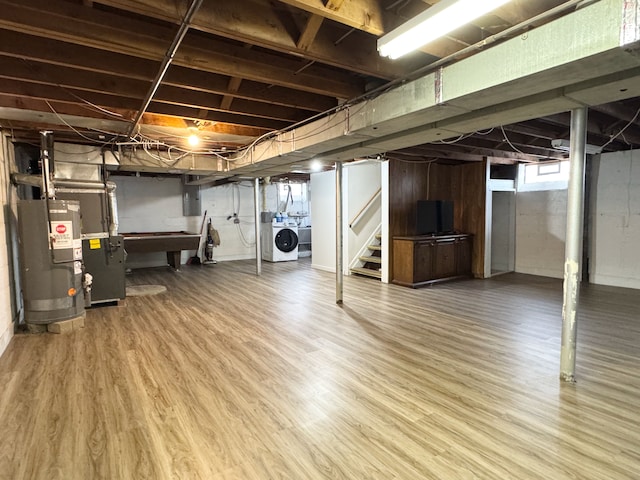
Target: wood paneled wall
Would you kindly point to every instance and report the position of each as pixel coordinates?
(464, 184)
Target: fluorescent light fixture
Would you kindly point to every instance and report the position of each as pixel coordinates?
(435, 22)
(564, 146)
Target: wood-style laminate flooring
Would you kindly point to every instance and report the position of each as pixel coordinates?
(231, 376)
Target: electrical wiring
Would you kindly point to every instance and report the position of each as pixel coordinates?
(145, 138)
(504, 134)
(93, 105)
(72, 128)
(45, 77)
(243, 239)
(451, 142)
(629, 123)
(236, 209)
(464, 136)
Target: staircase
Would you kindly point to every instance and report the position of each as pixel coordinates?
(369, 263)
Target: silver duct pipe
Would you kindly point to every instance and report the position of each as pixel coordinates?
(26, 179)
(109, 187)
(113, 209)
(46, 143)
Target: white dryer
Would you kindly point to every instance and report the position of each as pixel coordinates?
(279, 241)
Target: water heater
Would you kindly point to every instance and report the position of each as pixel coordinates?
(51, 260)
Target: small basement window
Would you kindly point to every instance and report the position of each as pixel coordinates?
(543, 176)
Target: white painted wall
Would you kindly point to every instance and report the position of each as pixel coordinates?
(155, 204)
(362, 180)
(6, 311)
(323, 220)
(615, 254)
(541, 219)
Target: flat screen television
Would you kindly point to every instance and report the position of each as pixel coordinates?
(434, 217)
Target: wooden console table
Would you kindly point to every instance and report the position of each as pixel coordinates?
(427, 259)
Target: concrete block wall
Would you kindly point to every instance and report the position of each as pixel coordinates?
(148, 204)
(615, 254)
(541, 219)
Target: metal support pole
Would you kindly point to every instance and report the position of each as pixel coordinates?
(339, 239)
(256, 201)
(166, 62)
(573, 245)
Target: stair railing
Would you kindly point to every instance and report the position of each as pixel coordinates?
(358, 216)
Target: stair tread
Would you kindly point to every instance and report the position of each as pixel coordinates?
(367, 272)
(368, 258)
(379, 236)
(376, 248)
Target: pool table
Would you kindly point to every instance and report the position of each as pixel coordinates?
(170, 242)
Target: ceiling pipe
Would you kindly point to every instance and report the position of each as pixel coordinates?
(166, 62)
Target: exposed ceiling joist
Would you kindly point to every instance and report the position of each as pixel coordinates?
(309, 32)
(259, 24)
(251, 66)
(105, 31)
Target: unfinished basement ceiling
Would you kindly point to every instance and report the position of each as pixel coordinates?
(244, 68)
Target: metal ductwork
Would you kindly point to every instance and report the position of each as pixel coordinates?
(109, 187)
(113, 209)
(98, 250)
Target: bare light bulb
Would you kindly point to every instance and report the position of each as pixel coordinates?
(193, 140)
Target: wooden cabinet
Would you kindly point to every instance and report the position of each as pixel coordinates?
(424, 260)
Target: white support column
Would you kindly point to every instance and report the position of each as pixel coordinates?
(386, 247)
(573, 245)
(488, 218)
(256, 206)
(339, 235)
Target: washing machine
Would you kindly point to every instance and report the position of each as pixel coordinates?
(280, 241)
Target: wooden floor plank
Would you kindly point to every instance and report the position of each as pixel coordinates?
(232, 376)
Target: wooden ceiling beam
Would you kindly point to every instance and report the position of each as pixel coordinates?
(619, 112)
(249, 90)
(164, 104)
(128, 85)
(434, 148)
(20, 45)
(310, 31)
(519, 140)
(106, 31)
(33, 107)
(366, 15)
(216, 116)
(208, 101)
(259, 24)
(596, 130)
(233, 86)
(370, 16)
